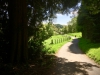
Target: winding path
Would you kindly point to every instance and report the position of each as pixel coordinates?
(72, 61)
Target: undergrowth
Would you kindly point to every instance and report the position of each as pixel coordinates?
(91, 49)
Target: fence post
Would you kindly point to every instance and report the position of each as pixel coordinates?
(55, 41)
(51, 41)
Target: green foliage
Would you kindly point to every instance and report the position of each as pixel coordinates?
(65, 30)
(88, 24)
(58, 29)
(46, 10)
(92, 6)
(15, 25)
(38, 49)
(58, 26)
(36, 41)
(91, 49)
(71, 27)
(41, 10)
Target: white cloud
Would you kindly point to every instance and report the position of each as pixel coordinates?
(59, 14)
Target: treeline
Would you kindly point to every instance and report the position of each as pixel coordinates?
(71, 27)
(88, 20)
(58, 29)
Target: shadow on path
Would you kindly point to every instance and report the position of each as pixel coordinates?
(74, 47)
(65, 67)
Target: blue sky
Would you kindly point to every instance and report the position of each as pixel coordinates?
(62, 19)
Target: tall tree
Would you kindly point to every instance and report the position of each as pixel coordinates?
(38, 11)
(4, 31)
(88, 20)
(18, 30)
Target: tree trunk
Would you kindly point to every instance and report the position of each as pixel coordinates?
(18, 28)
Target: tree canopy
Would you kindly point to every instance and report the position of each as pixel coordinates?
(88, 20)
(22, 19)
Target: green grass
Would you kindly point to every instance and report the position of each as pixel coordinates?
(55, 47)
(91, 49)
(78, 34)
(58, 42)
(54, 43)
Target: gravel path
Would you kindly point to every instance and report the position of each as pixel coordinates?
(72, 61)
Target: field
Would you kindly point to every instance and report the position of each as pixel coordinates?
(53, 44)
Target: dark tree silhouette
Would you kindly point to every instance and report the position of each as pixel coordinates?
(21, 24)
(18, 30)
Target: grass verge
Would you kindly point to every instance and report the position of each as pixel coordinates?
(53, 48)
(58, 42)
(91, 49)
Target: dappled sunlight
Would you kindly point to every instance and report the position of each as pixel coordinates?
(70, 60)
(53, 65)
(66, 67)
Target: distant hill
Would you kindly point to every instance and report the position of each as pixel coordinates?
(58, 25)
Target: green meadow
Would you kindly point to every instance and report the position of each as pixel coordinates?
(54, 43)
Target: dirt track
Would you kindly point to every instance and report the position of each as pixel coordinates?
(72, 61)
